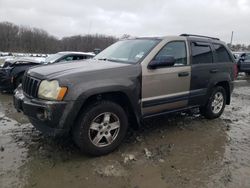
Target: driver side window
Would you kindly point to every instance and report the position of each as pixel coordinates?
(176, 49)
(67, 58)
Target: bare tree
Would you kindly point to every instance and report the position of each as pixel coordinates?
(15, 38)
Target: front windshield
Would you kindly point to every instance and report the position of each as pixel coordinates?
(128, 51)
(52, 58)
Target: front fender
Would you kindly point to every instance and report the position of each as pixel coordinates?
(81, 93)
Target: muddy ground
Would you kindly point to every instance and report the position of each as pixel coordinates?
(179, 151)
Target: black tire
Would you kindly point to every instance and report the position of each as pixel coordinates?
(207, 110)
(18, 81)
(248, 73)
(81, 131)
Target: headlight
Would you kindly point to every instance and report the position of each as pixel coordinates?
(51, 90)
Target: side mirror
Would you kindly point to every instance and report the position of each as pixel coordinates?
(162, 61)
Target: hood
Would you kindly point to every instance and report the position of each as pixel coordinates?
(53, 71)
(24, 60)
(20, 61)
(28, 60)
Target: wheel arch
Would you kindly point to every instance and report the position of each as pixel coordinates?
(118, 97)
(226, 86)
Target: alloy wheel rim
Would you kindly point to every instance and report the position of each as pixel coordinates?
(104, 129)
(217, 103)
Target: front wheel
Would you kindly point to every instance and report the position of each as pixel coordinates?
(216, 103)
(101, 128)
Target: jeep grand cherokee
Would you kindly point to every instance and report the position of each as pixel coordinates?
(132, 79)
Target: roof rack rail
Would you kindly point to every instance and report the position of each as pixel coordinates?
(201, 36)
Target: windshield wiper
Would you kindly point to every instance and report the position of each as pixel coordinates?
(111, 60)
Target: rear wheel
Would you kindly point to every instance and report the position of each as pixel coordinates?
(101, 128)
(216, 104)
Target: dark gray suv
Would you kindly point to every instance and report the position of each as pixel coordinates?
(132, 79)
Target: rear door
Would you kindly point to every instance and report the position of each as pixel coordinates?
(167, 88)
(203, 69)
(245, 63)
(225, 63)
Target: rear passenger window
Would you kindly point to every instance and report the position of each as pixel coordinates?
(79, 57)
(201, 53)
(177, 49)
(222, 54)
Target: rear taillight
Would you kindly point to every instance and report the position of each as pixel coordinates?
(236, 71)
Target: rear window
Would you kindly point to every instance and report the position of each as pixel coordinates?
(201, 53)
(222, 54)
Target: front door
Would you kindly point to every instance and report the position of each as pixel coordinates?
(245, 63)
(167, 88)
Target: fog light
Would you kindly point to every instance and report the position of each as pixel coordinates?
(42, 115)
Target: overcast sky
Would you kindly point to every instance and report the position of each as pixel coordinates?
(135, 17)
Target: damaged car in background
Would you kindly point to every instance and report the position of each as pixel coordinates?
(12, 71)
(243, 61)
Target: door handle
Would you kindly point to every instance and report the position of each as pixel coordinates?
(213, 70)
(183, 74)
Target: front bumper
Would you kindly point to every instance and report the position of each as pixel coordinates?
(5, 80)
(47, 116)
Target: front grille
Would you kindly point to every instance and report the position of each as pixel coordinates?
(30, 86)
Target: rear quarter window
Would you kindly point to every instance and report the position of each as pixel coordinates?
(221, 53)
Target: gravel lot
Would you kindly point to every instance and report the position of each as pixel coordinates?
(177, 151)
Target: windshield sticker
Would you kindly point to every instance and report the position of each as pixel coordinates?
(140, 55)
